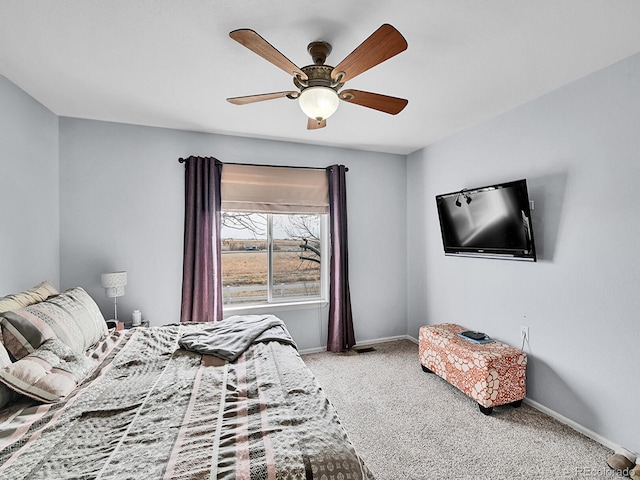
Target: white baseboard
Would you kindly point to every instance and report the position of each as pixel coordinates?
(362, 344)
(384, 340)
(312, 350)
(584, 430)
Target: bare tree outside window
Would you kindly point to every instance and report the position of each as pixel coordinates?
(252, 223)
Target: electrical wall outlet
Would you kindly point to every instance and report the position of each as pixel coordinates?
(524, 333)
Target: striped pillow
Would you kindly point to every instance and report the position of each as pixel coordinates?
(49, 374)
(72, 316)
(16, 301)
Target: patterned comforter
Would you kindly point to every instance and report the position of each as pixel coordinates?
(151, 410)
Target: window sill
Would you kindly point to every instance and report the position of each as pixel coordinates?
(274, 307)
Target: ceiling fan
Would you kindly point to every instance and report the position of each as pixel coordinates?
(319, 85)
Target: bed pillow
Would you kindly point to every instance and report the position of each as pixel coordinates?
(72, 316)
(49, 374)
(16, 301)
(86, 313)
(6, 394)
(39, 293)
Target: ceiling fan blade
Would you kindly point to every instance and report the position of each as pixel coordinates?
(383, 103)
(261, 97)
(384, 43)
(259, 45)
(313, 124)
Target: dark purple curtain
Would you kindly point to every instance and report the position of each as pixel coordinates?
(341, 336)
(201, 278)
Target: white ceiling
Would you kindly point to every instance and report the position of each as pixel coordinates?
(171, 63)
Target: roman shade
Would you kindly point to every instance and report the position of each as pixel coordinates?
(268, 189)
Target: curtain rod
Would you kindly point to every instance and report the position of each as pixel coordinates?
(346, 169)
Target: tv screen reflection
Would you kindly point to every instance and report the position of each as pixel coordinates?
(486, 217)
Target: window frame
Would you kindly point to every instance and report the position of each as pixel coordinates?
(273, 303)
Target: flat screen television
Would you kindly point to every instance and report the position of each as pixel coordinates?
(489, 222)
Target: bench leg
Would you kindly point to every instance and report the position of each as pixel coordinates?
(485, 410)
(425, 369)
(516, 404)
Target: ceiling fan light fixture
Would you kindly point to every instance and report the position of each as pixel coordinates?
(319, 103)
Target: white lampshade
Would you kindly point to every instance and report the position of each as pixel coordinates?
(114, 283)
(318, 103)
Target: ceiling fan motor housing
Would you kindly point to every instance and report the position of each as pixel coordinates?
(318, 76)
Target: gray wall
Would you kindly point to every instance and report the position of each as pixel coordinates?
(579, 149)
(30, 232)
(122, 200)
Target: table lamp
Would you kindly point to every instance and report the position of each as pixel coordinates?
(113, 284)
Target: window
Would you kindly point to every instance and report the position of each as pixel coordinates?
(273, 258)
(274, 236)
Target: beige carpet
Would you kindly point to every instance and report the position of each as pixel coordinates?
(407, 424)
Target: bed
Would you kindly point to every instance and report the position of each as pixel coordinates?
(137, 404)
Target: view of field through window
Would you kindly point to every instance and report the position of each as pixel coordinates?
(295, 258)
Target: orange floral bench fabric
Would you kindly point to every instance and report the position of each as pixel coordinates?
(491, 373)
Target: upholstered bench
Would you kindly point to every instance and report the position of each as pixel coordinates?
(491, 373)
